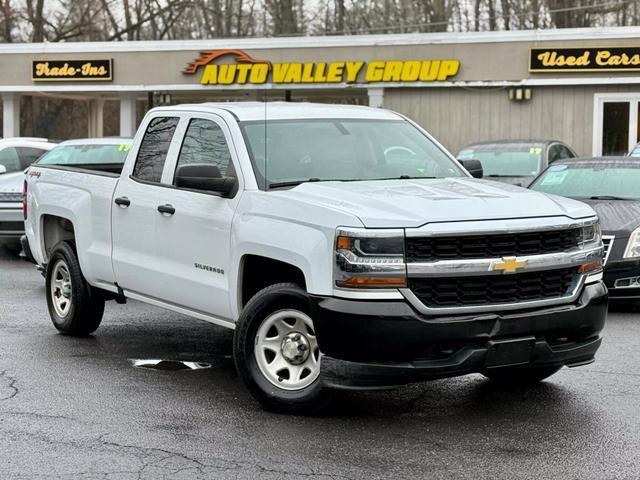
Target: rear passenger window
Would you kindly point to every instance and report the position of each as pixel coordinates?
(28, 155)
(154, 148)
(204, 144)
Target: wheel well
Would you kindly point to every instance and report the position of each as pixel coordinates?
(260, 272)
(55, 230)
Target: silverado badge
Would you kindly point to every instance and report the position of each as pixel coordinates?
(509, 265)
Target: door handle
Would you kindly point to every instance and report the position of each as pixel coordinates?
(166, 209)
(122, 201)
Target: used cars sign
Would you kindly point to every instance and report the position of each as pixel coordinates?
(594, 59)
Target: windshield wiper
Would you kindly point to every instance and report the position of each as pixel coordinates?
(609, 197)
(497, 175)
(292, 183)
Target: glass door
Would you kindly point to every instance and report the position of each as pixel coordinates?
(615, 124)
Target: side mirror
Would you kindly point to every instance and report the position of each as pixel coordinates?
(3, 169)
(474, 167)
(206, 178)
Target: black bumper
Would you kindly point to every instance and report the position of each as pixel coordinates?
(622, 269)
(373, 344)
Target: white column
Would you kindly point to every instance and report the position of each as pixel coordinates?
(376, 97)
(127, 114)
(10, 115)
(96, 118)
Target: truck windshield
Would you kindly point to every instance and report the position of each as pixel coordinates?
(89, 154)
(506, 159)
(597, 181)
(288, 152)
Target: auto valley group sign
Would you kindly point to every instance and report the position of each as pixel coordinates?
(236, 67)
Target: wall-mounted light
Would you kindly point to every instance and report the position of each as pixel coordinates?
(520, 94)
(162, 98)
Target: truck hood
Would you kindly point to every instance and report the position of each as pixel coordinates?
(413, 203)
(11, 182)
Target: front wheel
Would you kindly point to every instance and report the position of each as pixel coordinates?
(276, 351)
(521, 375)
(75, 307)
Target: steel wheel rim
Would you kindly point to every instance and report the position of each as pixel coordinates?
(274, 345)
(61, 288)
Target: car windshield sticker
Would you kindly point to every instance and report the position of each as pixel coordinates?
(557, 168)
(125, 147)
(535, 150)
(554, 178)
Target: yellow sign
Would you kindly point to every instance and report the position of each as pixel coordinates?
(509, 264)
(249, 70)
(588, 59)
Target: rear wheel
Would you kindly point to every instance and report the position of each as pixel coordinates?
(276, 351)
(521, 375)
(75, 307)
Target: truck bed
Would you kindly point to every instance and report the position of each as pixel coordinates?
(111, 169)
(84, 197)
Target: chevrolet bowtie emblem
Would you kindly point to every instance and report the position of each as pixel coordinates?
(509, 264)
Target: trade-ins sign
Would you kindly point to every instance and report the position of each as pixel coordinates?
(71, 70)
(591, 59)
(245, 69)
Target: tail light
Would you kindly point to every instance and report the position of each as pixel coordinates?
(25, 187)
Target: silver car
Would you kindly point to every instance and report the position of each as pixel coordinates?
(16, 154)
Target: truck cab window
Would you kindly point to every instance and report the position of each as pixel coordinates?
(154, 148)
(204, 145)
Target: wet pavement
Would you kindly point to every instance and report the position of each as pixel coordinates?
(78, 408)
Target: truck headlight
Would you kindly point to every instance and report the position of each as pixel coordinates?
(370, 259)
(633, 245)
(591, 233)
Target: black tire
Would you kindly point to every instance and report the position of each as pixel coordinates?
(519, 376)
(86, 304)
(308, 400)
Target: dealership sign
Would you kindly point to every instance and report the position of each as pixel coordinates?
(71, 70)
(229, 67)
(592, 59)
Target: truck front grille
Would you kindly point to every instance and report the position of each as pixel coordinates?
(438, 292)
(428, 249)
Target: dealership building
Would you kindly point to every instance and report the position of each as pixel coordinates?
(581, 86)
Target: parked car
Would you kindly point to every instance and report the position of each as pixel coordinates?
(516, 162)
(610, 185)
(635, 152)
(102, 154)
(345, 247)
(16, 154)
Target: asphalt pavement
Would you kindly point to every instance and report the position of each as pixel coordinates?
(77, 408)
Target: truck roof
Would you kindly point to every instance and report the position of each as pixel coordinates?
(254, 111)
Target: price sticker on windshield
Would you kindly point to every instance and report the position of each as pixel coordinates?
(125, 147)
(554, 178)
(535, 150)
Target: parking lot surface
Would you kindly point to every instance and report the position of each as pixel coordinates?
(77, 408)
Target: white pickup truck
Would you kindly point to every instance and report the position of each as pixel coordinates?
(344, 245)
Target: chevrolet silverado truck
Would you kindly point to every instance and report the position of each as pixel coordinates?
(343, 244)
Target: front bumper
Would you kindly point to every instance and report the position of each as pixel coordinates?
(377, 344)
(622, 269)
(11, 221)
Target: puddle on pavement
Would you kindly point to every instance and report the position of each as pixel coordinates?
(169, 365)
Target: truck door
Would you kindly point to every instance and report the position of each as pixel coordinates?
(194, 232)
(134, 215)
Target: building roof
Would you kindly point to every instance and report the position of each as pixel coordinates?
(257, 111)
(569, 34)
